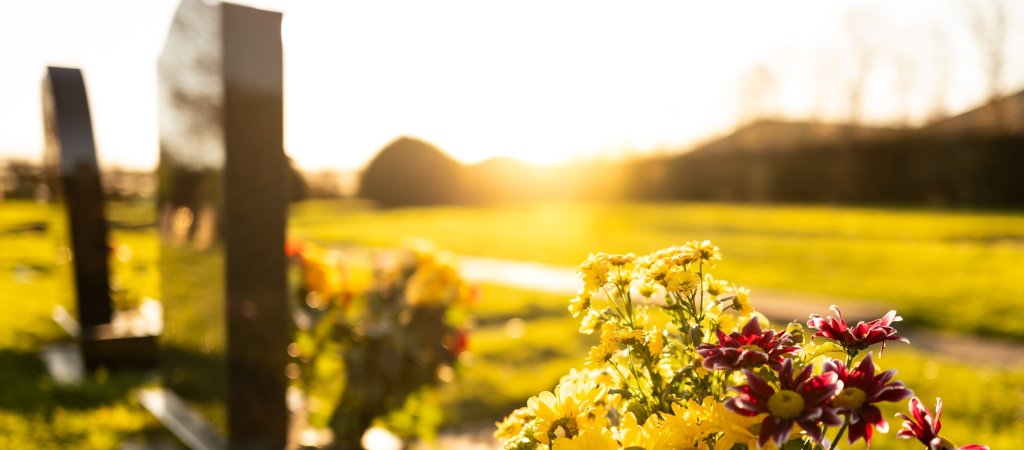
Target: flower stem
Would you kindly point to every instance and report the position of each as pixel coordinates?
(839, 435)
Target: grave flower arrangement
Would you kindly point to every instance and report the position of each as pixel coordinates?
(684, 361)
(373, 334)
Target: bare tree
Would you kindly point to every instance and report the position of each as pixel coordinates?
(989, 21)
(940, 72)
(862, 26)
(757, 91)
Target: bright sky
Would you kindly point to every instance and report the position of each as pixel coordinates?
(539, 80)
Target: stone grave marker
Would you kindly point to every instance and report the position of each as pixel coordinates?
(221, 206)
(71, 160)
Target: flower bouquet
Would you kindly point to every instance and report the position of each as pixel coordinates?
(370, 336)
(684, 361)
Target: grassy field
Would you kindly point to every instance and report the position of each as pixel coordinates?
(958, 271)
(511, 360)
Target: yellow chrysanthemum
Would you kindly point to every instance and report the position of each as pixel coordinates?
(323, 272)
(594, 272)
(742, 301)
(713, 286)
(512, 424)
(625, 261)
(681, 429)
(435, 282)
(573, 407)
(655, 342)
(598, 355)
(591, 322)
(735, 429)
(705, 251)
(588, 439)
(679, 280)
(579, 304)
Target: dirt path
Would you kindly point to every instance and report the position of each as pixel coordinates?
(778, 306)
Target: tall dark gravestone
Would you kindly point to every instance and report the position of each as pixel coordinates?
(222, 205)
(71, 162)
(71, 156)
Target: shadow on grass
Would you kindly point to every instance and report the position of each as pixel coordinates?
(28, 388)
(194, 375)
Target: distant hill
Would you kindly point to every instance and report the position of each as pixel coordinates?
(767, 136)
(1005, 115)
(411, 172)
(965, 160)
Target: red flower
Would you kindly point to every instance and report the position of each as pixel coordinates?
(859, 337)
(802, 400)
(749, 349)
(926, 430)
(861, 389)
(458, 342)
(293, 246)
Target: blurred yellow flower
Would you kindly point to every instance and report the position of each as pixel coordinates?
(590, 322)
(512, 424)
(579, 304)
(434, 282)
(323, 271)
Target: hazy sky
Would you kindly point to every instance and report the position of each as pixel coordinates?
(539, 80)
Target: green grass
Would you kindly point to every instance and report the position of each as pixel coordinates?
(966, 263)
(34, 412)
(924, 263)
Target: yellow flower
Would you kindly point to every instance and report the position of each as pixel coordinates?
(742, 301)
(435, 282)
(579, 304)
(573, 407)
(588, 439)
(679, 280)
(705, 251)
(614, 335)
(713, 286)
(630, 433)
(735, 429)
(590, 322)
(698, 365)
(646, 289)
(598, 355)
(681, 429)
(512, 424)
(594, 272)
(625, 261)
(728, 323)
(322, 272)
(655, 342)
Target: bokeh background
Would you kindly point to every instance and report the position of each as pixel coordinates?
(865, 153)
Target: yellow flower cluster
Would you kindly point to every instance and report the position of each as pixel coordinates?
(643, 375)
(435, 280)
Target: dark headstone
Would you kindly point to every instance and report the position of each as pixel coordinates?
(71, 153)
(222, 202)
(71, 158)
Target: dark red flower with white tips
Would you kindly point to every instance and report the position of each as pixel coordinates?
(860, 336)
(926, 429)
(801, 400)
(861, 390)
(749, 348)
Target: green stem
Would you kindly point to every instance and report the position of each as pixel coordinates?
(835, 442)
